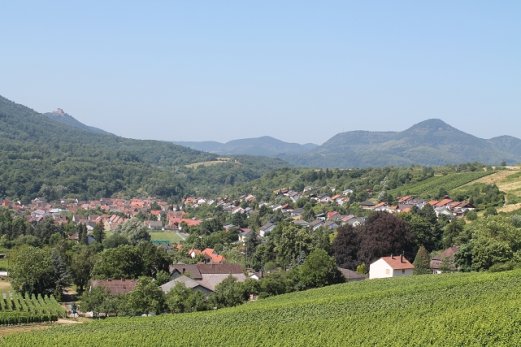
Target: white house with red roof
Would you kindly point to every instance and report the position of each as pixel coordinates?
(393, 266)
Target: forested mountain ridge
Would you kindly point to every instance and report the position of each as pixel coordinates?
(263, 146)
(431, 142)
(42, 157)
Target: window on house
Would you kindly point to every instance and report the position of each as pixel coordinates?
(403, 271)
(387, 271)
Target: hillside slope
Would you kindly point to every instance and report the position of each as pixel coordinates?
(44, 158)
(442, 310)
(60, 116)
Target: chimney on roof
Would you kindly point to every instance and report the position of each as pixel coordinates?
(392, 256)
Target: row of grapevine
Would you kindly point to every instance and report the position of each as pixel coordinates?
(479, 309)
(431, 186)
(24, 309)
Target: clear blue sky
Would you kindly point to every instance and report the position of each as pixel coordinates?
(301, 71)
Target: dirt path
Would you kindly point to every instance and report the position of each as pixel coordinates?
(15, 329)
(4, 331)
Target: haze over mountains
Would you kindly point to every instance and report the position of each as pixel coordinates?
(431, 142)
(263, 146)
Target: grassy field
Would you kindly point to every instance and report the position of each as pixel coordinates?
(171, 236)
(431, 186)
(473, 309)
(208, 163)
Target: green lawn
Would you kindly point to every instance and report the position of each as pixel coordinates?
(165, 236)
(472, 309)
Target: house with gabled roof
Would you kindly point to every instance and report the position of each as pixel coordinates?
(444, 261)
(392, 266)
(114, 286)
(316, 224)
(266, 229)
(367, 205)
(188, 283)
(208, 275)
(443, 203)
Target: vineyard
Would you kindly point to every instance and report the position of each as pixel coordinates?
(18, 309)
(431, 186)
(474, 309)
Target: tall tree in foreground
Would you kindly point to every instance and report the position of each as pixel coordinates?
(384, 234)
(318, 270)
(422, 262)
(61, 276)
(82, 262)
(345, 247)
(146, 297)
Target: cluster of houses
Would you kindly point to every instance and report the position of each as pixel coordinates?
(199, 277)
(331, 221)
(205, 277)
(112, 213)
(310, 192)
(227, 205)
(445, 206)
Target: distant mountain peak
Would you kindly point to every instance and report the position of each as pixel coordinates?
(59, 115)
(433, 123)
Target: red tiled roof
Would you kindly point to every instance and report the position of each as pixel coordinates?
(332, 214)
(115, 287)
(189, 222)
(208, 251)
(404, 198)
(398, 262)
(219, 268)
(449, 252)
(213, 256)
(443, 202)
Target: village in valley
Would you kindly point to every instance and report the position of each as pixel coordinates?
(201, 265)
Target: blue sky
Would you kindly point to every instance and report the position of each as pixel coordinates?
(300, 71)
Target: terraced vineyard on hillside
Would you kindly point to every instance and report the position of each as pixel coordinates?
(473, 309)
(431, 186)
